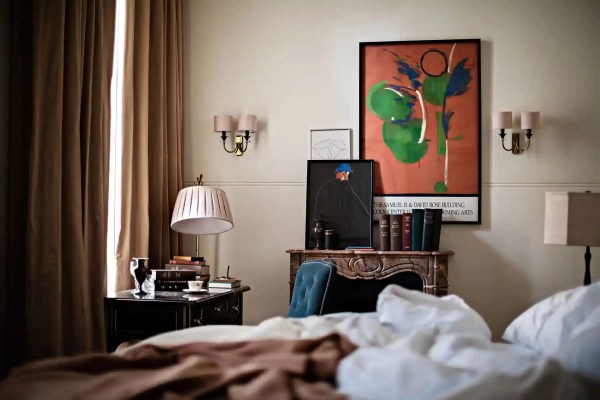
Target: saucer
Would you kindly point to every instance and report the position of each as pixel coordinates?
(195, 290)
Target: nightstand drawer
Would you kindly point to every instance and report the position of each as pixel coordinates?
(145, 319)
(216, 310)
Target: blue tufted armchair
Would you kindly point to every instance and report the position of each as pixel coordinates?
(310, 288)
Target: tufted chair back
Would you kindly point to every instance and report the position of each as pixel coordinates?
(310, 288)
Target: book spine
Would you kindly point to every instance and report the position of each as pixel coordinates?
(395, 232)
(200, 269)
(406, 231)
(437, 228)
(384, 232)
(174, 275)
(417, 229)
(188, 258)
(428, 230)
(170, 285)
(222, 285)
(186, 262)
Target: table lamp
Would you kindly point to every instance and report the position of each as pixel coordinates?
(573, 219)
(201, 210)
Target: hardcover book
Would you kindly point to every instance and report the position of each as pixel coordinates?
(170, 285)
(200, 269)
(224, 283)
(406, 231)
(188, 258)
(418, 215)
(396, 232)
(174, 275)
(432, 225)
(384, 232)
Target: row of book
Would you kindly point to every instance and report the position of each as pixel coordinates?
(418, 230)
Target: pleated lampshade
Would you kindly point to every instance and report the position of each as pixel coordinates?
(201, 210)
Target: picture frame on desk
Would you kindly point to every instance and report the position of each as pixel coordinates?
(420, 121)
(339, 194)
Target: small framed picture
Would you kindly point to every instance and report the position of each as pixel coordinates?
(330, 144)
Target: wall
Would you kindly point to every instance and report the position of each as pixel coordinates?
(4, 76)
(295, 65)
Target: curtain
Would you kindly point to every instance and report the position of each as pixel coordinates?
(152, 159)
(61, 66)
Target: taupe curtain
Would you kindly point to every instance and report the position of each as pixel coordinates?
(61, 65)
(152, 133)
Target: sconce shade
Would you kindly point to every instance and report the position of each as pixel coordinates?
(530, 120)
(572, 219)
(201, 210)
(247, 123)
(223, 123)
(502, 120)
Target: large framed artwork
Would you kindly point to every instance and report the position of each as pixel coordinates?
(339, 198)
(420, 121)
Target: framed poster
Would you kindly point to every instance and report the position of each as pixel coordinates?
(330, 144)
(420, 121)
(339, 197)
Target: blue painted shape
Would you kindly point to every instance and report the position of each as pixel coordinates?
(459, 80)
(412, 74)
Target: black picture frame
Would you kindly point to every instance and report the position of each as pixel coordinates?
(345, 204)
(460, 205)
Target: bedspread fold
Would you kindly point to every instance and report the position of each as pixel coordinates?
(273, 368)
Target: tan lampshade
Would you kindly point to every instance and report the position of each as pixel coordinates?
(502, 120)
(530, 120)
(201, 210)
(223, 123)
(572, 219)
(248, 123)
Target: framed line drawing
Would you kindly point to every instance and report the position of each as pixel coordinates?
(420, 121)
(330, 144)
(339, 194)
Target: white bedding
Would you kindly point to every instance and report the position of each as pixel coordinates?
(415, 346)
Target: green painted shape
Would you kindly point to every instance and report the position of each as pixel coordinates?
(440, 187)
(441, 139)
(403, 140)
(434, 88)
(455, 138)
(387, 104)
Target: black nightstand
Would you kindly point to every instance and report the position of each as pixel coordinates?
(130, 317)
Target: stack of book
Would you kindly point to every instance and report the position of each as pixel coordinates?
(172, 280)
(418, 230)
(223, 284)
(197, 264)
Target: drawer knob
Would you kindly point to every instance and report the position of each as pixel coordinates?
(198, 321)
(236, 307)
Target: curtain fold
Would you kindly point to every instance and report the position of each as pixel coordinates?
(152, 133)
(59, 137)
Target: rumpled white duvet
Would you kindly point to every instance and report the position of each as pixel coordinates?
(416, 346)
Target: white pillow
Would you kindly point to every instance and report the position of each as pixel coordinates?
(550, 323)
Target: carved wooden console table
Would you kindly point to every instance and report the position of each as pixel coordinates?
(431, 267)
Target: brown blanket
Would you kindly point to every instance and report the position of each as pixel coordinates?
(265, 369)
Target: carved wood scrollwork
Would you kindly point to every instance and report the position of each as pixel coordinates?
(432, 267)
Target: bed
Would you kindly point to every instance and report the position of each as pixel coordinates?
(415, 346)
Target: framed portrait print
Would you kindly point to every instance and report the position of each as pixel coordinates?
(330, 144)
(420, 121)
(339, 197)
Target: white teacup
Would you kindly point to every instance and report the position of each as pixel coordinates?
(195, 285)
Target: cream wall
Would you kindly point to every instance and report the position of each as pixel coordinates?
(295, 65)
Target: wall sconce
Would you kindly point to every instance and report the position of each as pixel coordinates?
(529, 121)
(246, 125)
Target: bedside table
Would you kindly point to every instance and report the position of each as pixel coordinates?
(128, 316)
